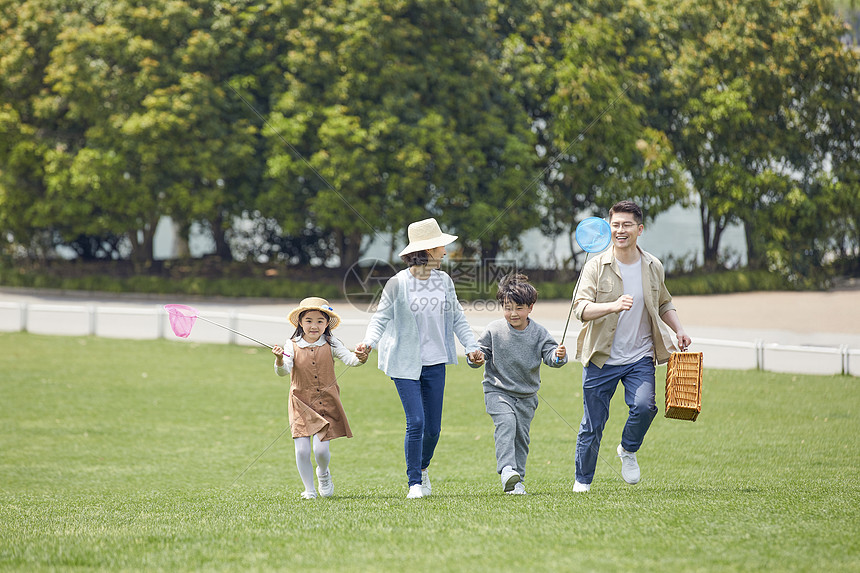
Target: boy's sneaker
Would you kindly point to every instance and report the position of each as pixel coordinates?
(425, 483)
(415, 491)
(326, 484)
(519, 489)
(629, 466)
(581, 487)
(510, 478)
(309, 495)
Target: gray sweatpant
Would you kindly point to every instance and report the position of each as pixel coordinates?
(513, 419)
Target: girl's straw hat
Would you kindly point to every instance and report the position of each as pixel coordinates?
(315, 303)
(424, 235)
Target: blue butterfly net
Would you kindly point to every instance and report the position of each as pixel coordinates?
(593, 234)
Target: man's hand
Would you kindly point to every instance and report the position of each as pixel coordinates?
(624, 302)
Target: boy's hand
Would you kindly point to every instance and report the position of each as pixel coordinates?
(561, 351)
(476, 357)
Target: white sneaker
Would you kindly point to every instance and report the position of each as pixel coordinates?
(415, 491)
(326, 485)
(629, 466)
(425, 483)
(309, 495)
(510, 478)
(581, 487)
(519, 489)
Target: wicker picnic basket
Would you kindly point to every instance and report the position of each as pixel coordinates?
(684, 386)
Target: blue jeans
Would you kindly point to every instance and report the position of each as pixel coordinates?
(422, 403)
(598, 386)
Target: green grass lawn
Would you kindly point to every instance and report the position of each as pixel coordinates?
(131, 455)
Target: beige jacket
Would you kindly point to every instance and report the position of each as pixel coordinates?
(601, 282)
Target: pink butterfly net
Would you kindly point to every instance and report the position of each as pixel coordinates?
(182, 318)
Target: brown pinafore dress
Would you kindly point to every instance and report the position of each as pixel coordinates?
(315, 396)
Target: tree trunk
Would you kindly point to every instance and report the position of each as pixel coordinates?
(489, 252)
(141, 253)
(350, 248)
(219, 234)
(712, 231)
(756, 256)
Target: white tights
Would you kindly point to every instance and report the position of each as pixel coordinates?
(303, 459)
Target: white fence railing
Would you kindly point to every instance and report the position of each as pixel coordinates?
(152, 322)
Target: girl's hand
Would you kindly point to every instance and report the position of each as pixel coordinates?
(279, 353)
(561, 351)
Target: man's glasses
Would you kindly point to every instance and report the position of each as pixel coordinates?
(627, 225)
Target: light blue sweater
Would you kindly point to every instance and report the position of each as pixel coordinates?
(393, 330)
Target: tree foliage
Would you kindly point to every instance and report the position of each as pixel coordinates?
(761, 107)
(302, 130)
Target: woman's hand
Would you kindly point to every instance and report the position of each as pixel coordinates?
(362, 352)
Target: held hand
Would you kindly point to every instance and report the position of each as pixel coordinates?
(560, 352)
(476, 357)
(361, 355)
(624, 302)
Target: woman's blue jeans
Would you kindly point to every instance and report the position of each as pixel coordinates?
(422, 403)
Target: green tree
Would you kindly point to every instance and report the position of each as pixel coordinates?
(391, 112)
(603, 109)
(129, 117)
(759, 99)
(585, 73)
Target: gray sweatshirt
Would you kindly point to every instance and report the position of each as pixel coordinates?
(513, 357)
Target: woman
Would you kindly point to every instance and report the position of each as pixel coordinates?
(413, 330)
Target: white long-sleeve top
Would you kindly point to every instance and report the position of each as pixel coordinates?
(338, 350)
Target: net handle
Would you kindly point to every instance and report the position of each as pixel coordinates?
(269, 346)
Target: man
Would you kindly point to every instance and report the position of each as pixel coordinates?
(621, 299)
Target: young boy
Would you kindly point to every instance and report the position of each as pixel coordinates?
(513, 349)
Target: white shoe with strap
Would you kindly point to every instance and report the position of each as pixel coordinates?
(510, 478)
(629, 466)
(519, 489)
(581, 487)
(326, 485)
(426, 489)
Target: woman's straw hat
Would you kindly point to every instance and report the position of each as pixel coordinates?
(424, 235)
(315, 303)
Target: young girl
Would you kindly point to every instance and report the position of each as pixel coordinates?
(316, 412)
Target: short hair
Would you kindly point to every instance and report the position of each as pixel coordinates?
(627, 207)
(416, 259)
(515, 288)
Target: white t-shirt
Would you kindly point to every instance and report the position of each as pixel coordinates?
(427, 302)
(632, 340)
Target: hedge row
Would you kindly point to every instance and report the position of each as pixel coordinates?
(275, 287)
